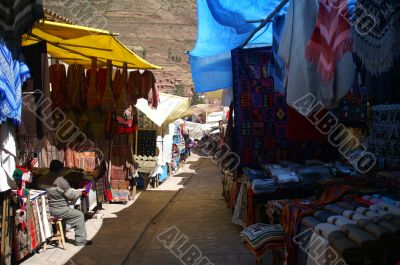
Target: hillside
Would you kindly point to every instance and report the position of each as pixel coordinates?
(158, 30)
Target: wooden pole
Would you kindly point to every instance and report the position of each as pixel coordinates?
(265, 22)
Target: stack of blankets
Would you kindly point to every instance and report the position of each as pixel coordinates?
(259, 235)
(273, 178)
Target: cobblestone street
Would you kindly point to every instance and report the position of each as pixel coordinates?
(189, 205)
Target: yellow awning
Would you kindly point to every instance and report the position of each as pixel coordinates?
(78, 44)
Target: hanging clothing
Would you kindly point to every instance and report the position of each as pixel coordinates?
(331, 38)
(17, 17)
(76, 86)
(13, 73)
(277, 65)
(302, 77)
(107, 101)
(93, 96)
(116, 84)
(384, 88)
(123, 103)
(376, 34)
(58, 80)
(8, 156)
(143, 85)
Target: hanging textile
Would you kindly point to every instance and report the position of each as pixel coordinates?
(302, 77)
(76, 86)
(17, 17)
(122, 103)
(93, 97)
(376, 34)
(107, 95)
(32, 224)
(301, 130)
(37, 61)
(8, 156)
(384, 89)
(143, 85)
(352, 109)
(331, 38)
(13, 73)
(260, 113)
(58, 80)
(116, 85)
(277, 66)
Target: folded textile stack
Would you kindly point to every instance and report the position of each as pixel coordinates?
(254, 174)
(310, 175)
(264, 186)
(258, 235)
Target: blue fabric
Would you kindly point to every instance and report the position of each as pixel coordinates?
(12, 74)
(222, 27)
(164, 174)
(277, 65)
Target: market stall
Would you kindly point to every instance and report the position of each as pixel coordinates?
(155, 127)
(74, 104)
(90, 69)
(308, 131)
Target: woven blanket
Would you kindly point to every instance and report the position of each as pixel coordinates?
(331, 38)
(376, 34)
(260, 112)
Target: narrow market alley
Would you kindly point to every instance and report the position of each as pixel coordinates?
(188, 204)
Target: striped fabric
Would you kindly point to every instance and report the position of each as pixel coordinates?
(107, 96)
(12, 74)
(18, 16)
(258, 235)
(331, 38)
(76, 82)
(58, 79)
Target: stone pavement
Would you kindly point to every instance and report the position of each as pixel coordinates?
(188, 204)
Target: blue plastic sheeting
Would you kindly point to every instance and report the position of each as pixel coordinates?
(222, 27)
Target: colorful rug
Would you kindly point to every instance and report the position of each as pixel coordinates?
(260, 112)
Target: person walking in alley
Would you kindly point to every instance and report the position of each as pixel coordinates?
(59, 195)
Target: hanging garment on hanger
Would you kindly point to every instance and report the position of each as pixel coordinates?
(376, 34)
(143, 86)
(331, 38)
(107, 103)
(93, 97)
(58, 80)
(13, 73)
(122, 103)
(302, 77)
(116, 84)
(76, 80)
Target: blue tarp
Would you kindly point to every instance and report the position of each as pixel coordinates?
(222, 27)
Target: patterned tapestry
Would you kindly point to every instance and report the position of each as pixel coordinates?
(260, 112)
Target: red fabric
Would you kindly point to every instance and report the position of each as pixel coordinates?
(296, 210)
(331, 38)
(250, 207)
(299, 129)
(101, 81)
(125, 130)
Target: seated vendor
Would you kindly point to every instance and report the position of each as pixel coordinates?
(59, 195)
